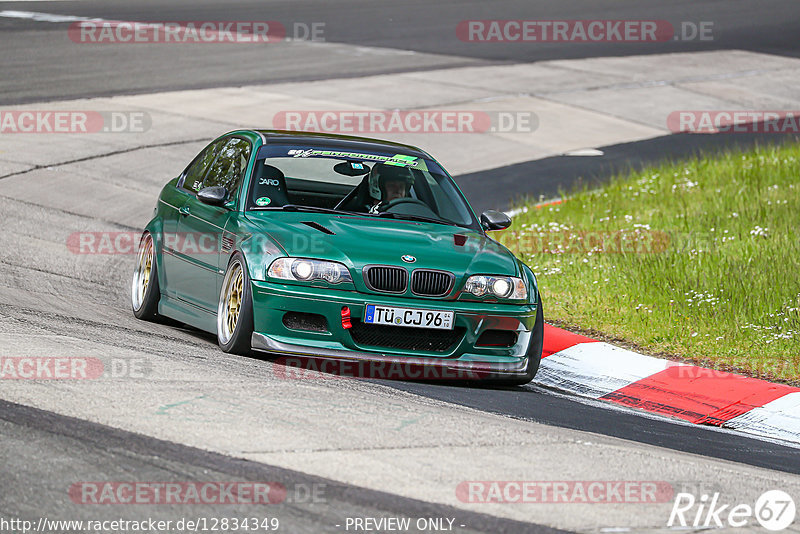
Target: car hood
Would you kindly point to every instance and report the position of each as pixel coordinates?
(357, 241)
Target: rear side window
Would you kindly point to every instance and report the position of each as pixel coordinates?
(193, 180)
(229, 167)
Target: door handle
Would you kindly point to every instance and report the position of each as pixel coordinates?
(184, 210)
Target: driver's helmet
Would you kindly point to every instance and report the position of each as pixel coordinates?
(382, 173)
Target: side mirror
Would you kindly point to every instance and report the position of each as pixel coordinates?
(495, 220)
(213, 196)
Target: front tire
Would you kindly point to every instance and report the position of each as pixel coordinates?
(534, 352)
(235, 309)
(145, 292)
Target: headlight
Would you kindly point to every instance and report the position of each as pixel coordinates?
(305, 270)
(502, 287)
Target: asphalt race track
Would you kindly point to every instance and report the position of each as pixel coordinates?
(29, 436)
(177, 409)
(35, 57)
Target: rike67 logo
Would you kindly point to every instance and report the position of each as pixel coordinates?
(774, 510)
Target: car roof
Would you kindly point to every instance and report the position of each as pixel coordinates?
(339, 142)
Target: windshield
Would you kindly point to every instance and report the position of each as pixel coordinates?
(356, 181)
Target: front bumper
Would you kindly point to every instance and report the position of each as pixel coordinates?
(271, 301)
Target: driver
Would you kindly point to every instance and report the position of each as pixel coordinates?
(387, 183)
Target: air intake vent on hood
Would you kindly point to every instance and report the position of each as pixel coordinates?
(317, 226)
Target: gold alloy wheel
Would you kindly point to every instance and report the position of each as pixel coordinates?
(141, 276)
(230, 305)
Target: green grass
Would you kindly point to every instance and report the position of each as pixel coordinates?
(698, 260)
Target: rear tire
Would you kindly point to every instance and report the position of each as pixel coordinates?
(145, 292)
(235, 309)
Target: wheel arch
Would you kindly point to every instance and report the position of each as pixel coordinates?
(533, 297)
(259, 250)
(155, 229)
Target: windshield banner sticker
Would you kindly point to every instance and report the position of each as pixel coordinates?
(398, 159)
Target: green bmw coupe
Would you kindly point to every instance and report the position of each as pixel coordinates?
(339, 248)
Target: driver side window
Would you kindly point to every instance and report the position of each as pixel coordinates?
(193, 179)
(230, 166)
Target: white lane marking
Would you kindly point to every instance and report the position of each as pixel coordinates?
(54, 18)
(524, 209)
(49, 17)
(516, 211)
(778, 419)
(597, 369)
(585, 152)
(46, 17)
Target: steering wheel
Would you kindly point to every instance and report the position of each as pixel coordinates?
(399, 201)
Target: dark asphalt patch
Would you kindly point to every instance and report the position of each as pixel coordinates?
(506, 187)
(45, 454)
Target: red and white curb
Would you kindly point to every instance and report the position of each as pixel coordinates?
(590, 368)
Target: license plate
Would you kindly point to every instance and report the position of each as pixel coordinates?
(413, 317)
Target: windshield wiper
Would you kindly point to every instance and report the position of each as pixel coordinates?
(315, 209)
(385, 214)
(420, 218)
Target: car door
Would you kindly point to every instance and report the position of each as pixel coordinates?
(202, 227)
(174, 203)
